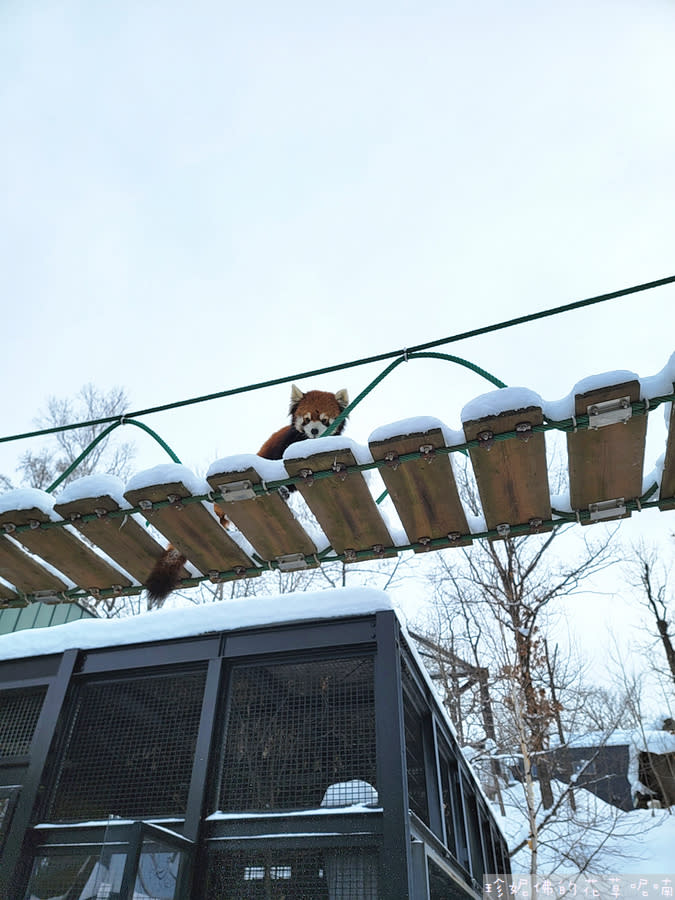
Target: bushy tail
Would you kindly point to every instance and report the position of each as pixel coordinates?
(165, 576)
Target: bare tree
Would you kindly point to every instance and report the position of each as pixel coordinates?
(39, 468)
(647, 570)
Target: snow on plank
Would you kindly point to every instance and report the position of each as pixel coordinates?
(511, 474)
(121, 538)
(342, 503)
(189, 526)
(264, 519)
(61, 549)
(423, 490)
(606, 461)
(24, 572)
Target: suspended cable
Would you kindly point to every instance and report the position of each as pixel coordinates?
(404, 353)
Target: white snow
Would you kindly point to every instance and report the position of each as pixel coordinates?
(168, 473)
(29, 498)
(635, 842)
(330, 444)
(268, 469)
(502, 400)
(88, 634)
(417, 425)
(94, 486)
(350, 794)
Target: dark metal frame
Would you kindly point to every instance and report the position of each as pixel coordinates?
(404, 842)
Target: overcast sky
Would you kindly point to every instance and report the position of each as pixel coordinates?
(200, 196)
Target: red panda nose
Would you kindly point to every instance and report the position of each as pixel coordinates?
(315, 431)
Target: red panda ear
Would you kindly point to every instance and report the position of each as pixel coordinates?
(342, 398)
(296, 397)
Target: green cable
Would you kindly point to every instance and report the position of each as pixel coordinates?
(531, 317)
(123, 421)
(397, 362)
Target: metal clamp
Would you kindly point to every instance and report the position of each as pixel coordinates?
(607, 509)
(291, 562)
(237, 490)
(609, 412)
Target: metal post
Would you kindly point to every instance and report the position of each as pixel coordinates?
(200, 765)
(396, 867)
(42, 741)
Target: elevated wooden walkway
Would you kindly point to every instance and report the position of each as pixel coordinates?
(97, 544)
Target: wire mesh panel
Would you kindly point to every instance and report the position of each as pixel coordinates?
(294, 730)
(336, 874)
(129, 748)
(19, 713)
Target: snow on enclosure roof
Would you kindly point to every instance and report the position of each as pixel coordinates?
(230, 615)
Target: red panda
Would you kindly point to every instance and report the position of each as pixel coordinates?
(311, 414)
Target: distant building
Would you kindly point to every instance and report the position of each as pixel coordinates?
(290, 747)
(41, 615)
(628, 769)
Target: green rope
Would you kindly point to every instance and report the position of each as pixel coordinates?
(62, 477)
(561, 519)
(397, 362)
(579, 423)
(510, 323)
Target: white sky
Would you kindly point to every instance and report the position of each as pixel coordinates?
(202, 196)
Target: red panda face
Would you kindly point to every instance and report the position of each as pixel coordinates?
(312, 413)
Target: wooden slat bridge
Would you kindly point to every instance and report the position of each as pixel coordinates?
(98, 545)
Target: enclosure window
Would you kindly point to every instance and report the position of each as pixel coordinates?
(414, 750)
(294, 730)
(441, 886)
(343, 873)
(19, 713)
(451, 804)
(473, 828)
(129, 748)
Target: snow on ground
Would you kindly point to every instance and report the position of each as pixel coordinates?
(615, 842)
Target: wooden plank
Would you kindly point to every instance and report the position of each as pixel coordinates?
(64, 551)
(191, 528)
(343, 506)
(605, 464)
(511, 475)
(265, 520)
(25, 573)
(123, 539)
(423, 490)
(667, 492)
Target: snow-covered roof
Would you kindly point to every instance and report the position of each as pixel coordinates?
(194, 620)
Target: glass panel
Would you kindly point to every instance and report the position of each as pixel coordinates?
(157, 877)
(77, 876)
(414, 749)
